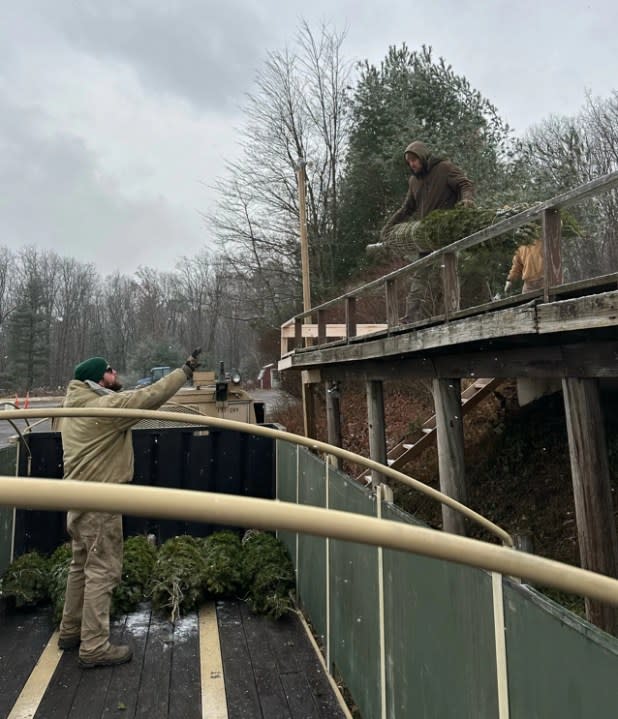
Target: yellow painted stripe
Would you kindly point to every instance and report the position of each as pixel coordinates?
(502, 676)
(214, 704)
(28, 701)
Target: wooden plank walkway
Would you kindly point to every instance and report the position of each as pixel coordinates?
(270, 670)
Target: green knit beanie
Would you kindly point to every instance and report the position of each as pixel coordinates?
(93, 369)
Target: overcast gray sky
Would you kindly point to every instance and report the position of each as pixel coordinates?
(116, 117)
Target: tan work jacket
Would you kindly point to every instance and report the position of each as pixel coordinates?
(100, 449)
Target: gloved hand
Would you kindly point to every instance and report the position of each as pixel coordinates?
(507, 287)
(467, 202)
(374, 247)
(192, 362)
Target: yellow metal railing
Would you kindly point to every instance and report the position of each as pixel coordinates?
(31, 493)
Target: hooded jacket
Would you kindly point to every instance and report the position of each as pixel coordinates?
(100, 449)
(528, 266)
(439, 186)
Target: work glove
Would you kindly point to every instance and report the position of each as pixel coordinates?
(192, 363)
(374, 247)
(507, 287)
(467, 202)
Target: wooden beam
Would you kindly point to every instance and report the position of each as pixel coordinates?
(594, 506)
(450, 281)
(580, 313)
(350, 317)
(308, 404)
(377, 430)
(552, 260)
(392, 303)
(333, 418)
(321, 327)
(594, 358)
(449, 423)
(331, 329)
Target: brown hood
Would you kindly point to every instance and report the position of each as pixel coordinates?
(421, 150)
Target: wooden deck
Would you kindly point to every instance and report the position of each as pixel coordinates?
(266, 669)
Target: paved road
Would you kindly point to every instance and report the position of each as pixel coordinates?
(7, 430)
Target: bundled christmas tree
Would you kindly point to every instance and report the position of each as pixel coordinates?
(26, 581)
(140, 556)
(269, 573)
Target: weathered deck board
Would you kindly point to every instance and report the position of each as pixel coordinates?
(23, 635)
(270, 669)
(240, 685)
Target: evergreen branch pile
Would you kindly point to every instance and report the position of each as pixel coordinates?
(224, 566)
(140, 556)
(179, 576)
(26, 580)
(269, 573)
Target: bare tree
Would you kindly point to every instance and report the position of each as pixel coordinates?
(564, 152)
(297, 110)
(71, 317)
(7, 304)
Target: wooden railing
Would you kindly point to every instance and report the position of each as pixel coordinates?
(312, 327)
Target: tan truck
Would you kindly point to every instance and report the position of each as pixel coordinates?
(220, 395)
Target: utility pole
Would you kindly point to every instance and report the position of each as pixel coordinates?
(304, 244)
(308, 403)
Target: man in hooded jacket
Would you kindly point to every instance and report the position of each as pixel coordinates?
(100, 449)
(435, 184)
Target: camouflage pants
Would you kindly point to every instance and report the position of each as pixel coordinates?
(96, 568)
(424, 292)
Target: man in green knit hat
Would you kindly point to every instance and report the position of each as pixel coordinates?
(100, 449)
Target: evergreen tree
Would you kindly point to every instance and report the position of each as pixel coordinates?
(28, 339)
(411, 96)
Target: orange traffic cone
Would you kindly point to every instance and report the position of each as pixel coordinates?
(27, 400)
(16, 401)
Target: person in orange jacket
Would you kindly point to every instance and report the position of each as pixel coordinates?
(527, 266)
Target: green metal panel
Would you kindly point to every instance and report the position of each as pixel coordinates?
(439, 625)
(439, 636)
(355, 646)
(558, 664)
(8, 461)
(311, 583)
(286, 488)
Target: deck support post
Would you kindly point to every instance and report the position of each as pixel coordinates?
(377, 432)
(333, 419)
(449, 425)
(596, 527)
(308, 378)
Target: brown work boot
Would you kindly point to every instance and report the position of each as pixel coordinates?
(113, 655)
(68, 641)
